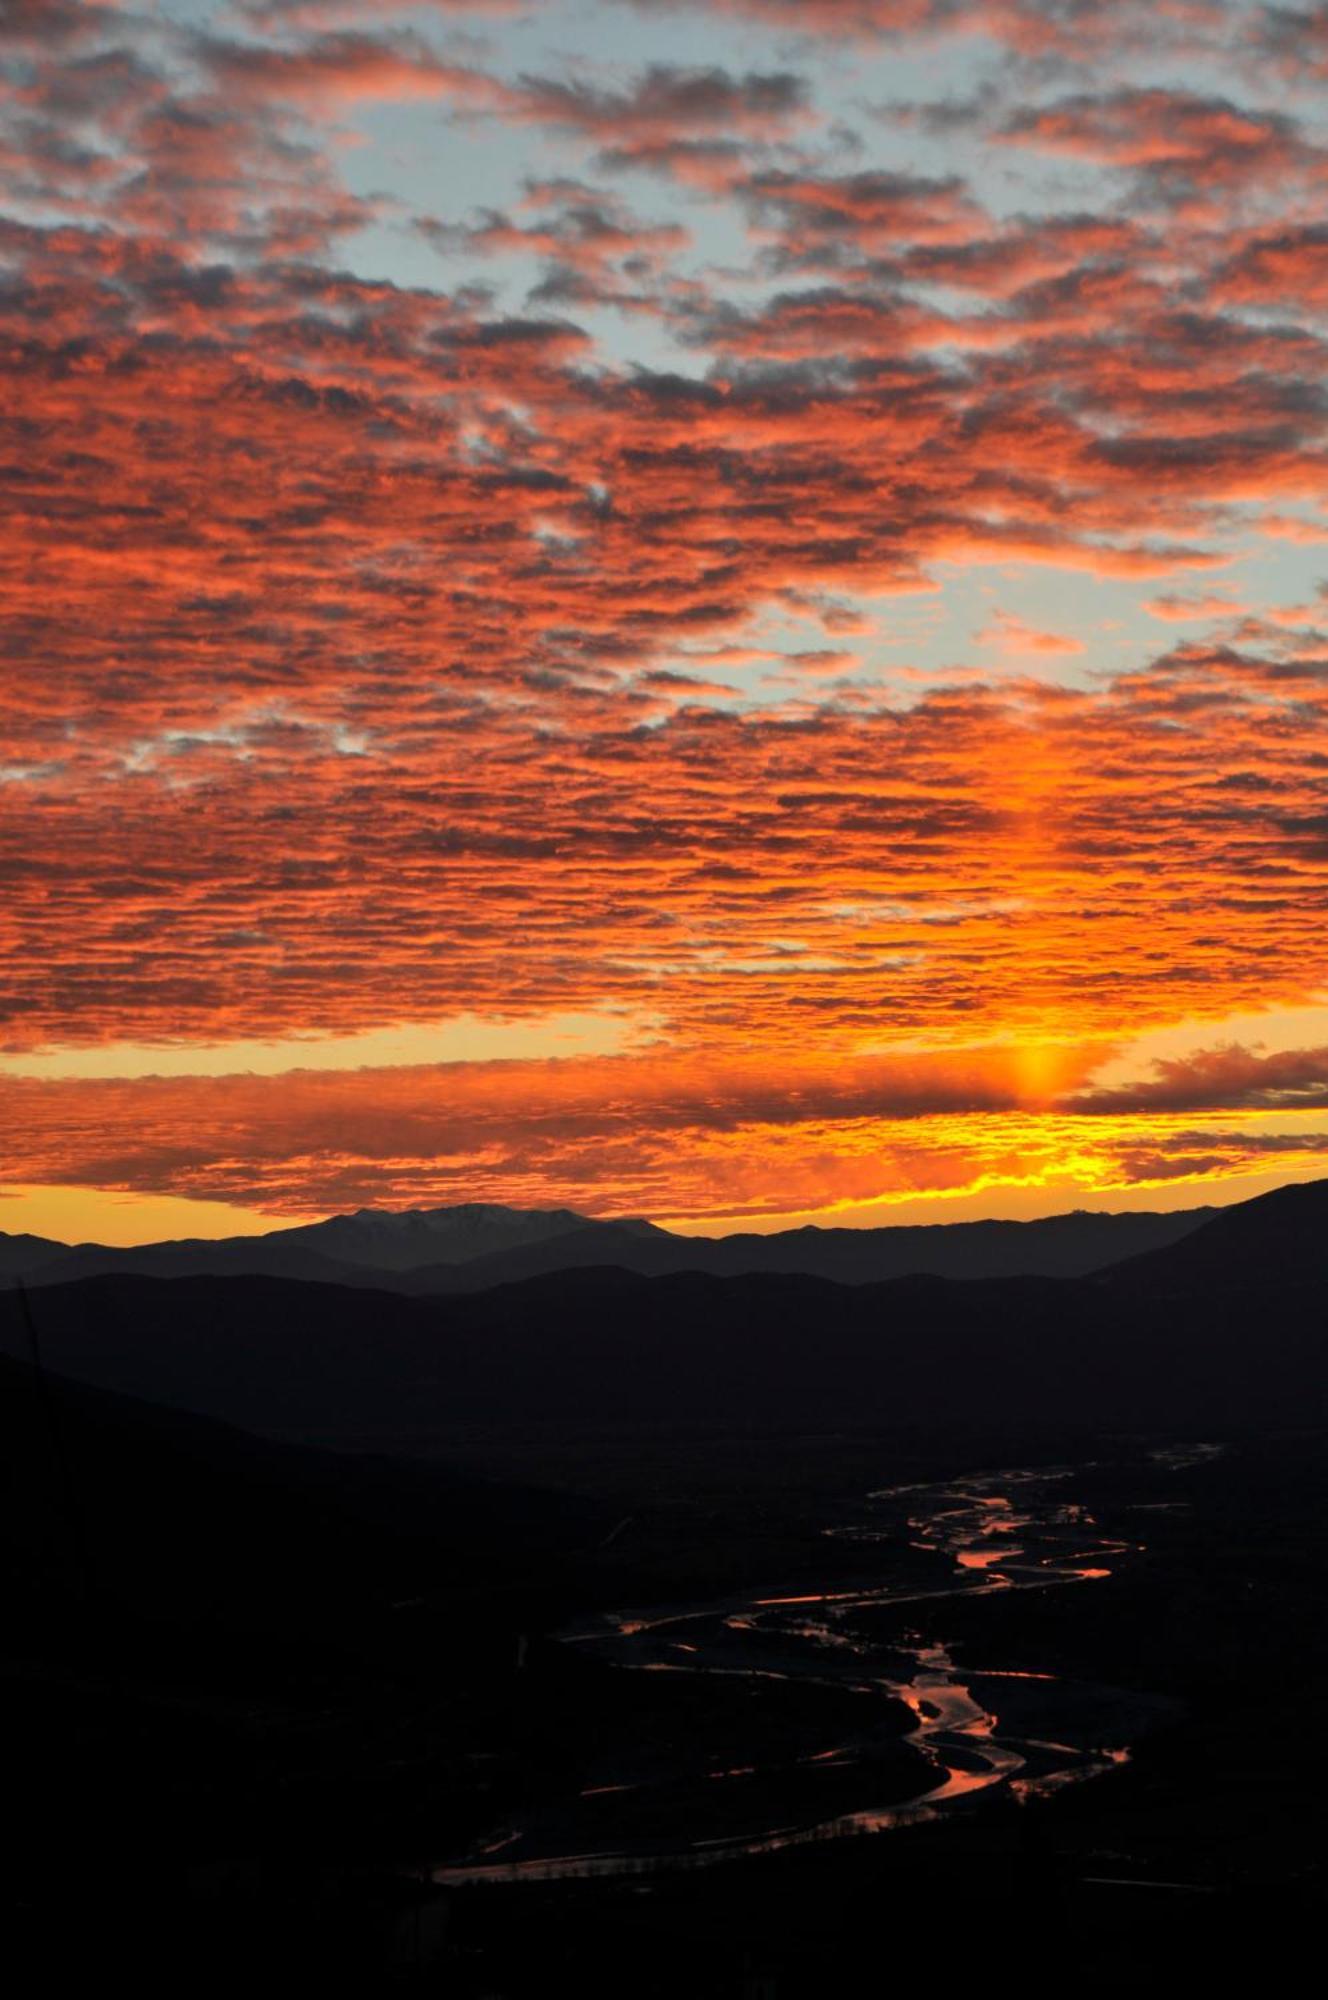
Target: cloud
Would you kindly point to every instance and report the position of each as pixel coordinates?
(1069, 30)
(1184, 610)
(812, 218)
(632, 1134)
(1016, 639)
(1276, 267)
(662, 104)
(390, 646)
(666, 101)
(594, 249)
(1225, 1078)
(1295, 38)
(1182, 150)
(321, 13)
(337, 69)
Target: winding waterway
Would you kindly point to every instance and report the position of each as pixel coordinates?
(1029, 1731)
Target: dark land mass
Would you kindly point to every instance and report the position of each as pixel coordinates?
(474, 1247)
(1276, 1239)
(1203, 1860)
(1224, 1328)
(43, 1263)
(258, 1691)
(1061, 1246)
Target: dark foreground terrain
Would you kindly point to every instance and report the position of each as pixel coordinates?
(495, 1705)
(269, 1741)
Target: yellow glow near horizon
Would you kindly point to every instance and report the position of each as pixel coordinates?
(1267, 1029)
(463, 1038)
(996, 1204)
(1010, 1128)
(749, 741)
(99, 1215)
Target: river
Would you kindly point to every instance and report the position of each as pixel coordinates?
(975, 1728)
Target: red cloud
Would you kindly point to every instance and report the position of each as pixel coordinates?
(1276, 267)
(1070, 29)
(332, 70)
(1015, 638)
(1226, 1078)
(1183, 610)
(1159, 128)
(348, 621)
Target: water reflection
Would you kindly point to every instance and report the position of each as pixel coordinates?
(1015, 1530)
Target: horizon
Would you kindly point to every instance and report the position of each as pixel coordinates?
(664, 991)
(715, 612)
(1133, 1203)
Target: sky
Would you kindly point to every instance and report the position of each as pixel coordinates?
(714, 611)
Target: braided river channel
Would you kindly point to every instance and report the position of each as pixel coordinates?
(974, 1729)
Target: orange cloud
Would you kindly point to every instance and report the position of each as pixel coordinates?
(1181, 610)
(1016, 639)
(348, 615)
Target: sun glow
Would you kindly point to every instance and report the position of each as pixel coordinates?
(749, 675)
(101, 1215)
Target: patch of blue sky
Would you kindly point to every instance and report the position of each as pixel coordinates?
(435, 161)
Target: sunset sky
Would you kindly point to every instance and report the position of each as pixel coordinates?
(717, 611)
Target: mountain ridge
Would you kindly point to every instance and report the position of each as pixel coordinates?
(1285, 1230)
(472, 1246)
(788, 1349)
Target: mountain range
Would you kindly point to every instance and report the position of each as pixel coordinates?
(474, 1246)
(1222, 1328)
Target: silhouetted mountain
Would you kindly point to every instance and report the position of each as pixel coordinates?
(176, 1508)
(596, 1345)
(403, 1240)
(1274, 1240)
(24, 1256)
(1058, 1246)
(227, 1257)
(475, 1246)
